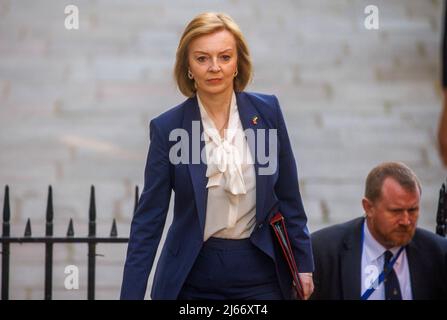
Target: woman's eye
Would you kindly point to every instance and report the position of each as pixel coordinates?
(201, 59)
(226, 57)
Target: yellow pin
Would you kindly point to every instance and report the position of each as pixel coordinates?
(255, 120)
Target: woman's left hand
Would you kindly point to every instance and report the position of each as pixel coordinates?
(307, 283)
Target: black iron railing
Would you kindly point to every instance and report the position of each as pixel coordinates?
(92, 240)
(49, 240)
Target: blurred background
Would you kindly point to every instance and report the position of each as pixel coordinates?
(75, 106)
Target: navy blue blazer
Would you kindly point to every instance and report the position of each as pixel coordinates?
(277, 191)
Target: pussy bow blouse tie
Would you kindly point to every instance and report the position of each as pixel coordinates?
(224, 162)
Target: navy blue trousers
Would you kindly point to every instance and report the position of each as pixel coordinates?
(231, 269)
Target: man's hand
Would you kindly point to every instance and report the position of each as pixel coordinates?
(307, 283)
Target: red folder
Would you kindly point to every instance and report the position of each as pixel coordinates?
(279, 227)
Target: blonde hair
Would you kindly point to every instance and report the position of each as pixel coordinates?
(204, 24)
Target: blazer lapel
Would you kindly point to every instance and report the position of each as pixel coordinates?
(197, 168)
(350, 260)
(418, 287)
(252, 120)
(193, 125)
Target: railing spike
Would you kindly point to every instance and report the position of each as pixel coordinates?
(70, 230)
(92, 209)
(6, 213)
(28, 228)
(441, 215)
(92, 213)
(114, 231)
(50, 213)
(6, 207)
(50, 204)
(136, 199)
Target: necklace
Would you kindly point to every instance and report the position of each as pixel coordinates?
(224, 123)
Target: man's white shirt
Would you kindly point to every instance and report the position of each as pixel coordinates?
(373, 256)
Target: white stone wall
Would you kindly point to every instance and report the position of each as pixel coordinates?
(75, 107)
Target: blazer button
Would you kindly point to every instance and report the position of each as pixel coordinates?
(260, 225)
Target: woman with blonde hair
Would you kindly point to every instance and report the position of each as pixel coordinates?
(227, 156)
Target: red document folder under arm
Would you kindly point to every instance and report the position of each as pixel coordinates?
(279, 227)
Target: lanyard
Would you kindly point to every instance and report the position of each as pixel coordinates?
(368, 292)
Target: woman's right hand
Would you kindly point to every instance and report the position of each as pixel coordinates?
(307, 284)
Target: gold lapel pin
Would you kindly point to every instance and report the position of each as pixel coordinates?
(255, 120)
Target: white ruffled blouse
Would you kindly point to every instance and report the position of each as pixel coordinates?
(231, 204)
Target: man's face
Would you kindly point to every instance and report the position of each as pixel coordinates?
(392, 219)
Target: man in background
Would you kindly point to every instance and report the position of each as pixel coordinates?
(349, 257)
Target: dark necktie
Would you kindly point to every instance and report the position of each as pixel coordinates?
(392, 288)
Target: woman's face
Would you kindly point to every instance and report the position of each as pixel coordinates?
(212, 60)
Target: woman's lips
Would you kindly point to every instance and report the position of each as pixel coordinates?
(214, 81)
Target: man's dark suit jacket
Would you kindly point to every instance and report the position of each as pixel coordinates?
(337, 256)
